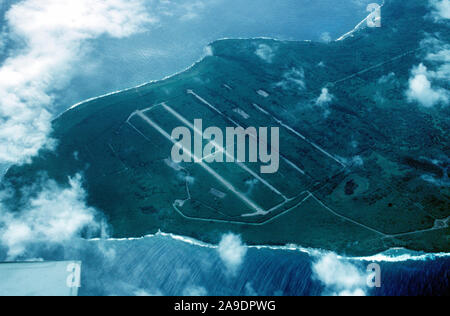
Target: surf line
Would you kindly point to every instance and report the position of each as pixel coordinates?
(403, 256)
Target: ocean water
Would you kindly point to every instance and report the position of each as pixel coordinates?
(175, 42)
(171, 265)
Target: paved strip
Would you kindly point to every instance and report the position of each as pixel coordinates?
(202, 164)
(237, 124)
(323, 151)
(347, 218)
(241, 223)
(240, 164)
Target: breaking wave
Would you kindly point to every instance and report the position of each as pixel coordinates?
(391, 255)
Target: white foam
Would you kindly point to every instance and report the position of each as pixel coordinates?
(391, 255)
(206, 54)
(402, 255)
(357, 27)
(177, 73)
(135, 87)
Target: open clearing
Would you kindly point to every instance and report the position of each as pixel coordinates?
(233, 193)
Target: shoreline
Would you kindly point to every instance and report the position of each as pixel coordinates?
(385, 256)
(206, 54)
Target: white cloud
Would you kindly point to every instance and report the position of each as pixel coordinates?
(265, 52)
(421, 90)
(142, 292)
(55, 34)
(249, 290)
(106, 249)
(438, 54)
(325, 97)
(441, 9)
(428, 84)
(293, 79)
(325, 37)
(232, 252)
(195, 291)
(442, 55)
(183, 10)
(208, 51)
(340, 278)
(391, 77)
(362, 3)
(192, 9)
(53, 216)
(356, 161)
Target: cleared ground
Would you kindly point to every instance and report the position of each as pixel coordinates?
(234, 192)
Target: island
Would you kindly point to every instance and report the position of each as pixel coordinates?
(362, 169)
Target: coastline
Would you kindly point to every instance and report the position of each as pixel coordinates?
(391, 255)
(343, 37)
(135, 87)
(183, 70)
(358, 27)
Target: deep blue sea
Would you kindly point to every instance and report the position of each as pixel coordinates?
(171, 265)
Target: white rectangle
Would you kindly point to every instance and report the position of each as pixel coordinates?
(40, 278)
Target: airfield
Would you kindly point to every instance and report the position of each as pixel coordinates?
(234, 192)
